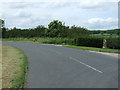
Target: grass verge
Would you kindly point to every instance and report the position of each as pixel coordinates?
(14, 67)
(94, 49)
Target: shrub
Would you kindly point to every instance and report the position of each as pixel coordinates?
(89, 41)
(113, 43)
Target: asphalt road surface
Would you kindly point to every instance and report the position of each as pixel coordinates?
(60, 67)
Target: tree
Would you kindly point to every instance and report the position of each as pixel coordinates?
(39, 31)
(3, 33)
(76, 32)
(54, 28)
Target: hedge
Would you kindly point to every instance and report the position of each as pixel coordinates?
(89, 41)
(113, 43)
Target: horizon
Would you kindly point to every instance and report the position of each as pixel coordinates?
(67, 25)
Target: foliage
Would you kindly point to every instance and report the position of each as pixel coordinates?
(3, 32)
(89, 41)
(55, 29)
(114, 31)
(77, 32)
(113, 43)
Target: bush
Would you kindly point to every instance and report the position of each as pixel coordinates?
(113, 43)
(89, 42)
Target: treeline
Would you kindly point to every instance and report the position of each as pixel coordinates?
(114, 31)
(55, 29)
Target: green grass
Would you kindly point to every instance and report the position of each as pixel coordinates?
(20, 80)
(94, 49)
(62, 41)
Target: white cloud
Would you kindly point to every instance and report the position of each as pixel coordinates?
(87, 4)
(102, 23)
(93, 4)
(57, 0)
(29, 22)
(1, 10)
(17, 4)
(22, 13)
(59, 3)
(29, 14)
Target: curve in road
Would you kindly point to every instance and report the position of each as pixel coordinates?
(60, 67)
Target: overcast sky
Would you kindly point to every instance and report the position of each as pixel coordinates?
(94, 15)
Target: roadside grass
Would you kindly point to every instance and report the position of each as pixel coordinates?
(94, 49)
(62, 41)
(14, 67)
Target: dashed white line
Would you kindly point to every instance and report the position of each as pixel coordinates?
(85, 64)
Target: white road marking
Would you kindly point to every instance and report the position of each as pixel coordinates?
(85, 64)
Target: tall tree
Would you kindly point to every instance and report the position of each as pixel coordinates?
(54, 28)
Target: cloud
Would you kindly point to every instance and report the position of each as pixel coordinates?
(87, 4)
(29, 22)
(2, 10)
(17, 4)
(97, 4)
(56, 0)
(29, 14)
(102, 23)
(22, 13)
(24, 5)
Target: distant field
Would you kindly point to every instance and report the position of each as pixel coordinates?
(14, 67)
(105, 35)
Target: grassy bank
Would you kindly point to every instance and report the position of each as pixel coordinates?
(14, 67)
(94, 49)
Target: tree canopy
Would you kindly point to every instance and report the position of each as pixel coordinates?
(55, 28)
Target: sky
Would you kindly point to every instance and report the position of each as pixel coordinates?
(91, 14)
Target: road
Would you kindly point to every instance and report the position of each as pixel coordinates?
(53, 66)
